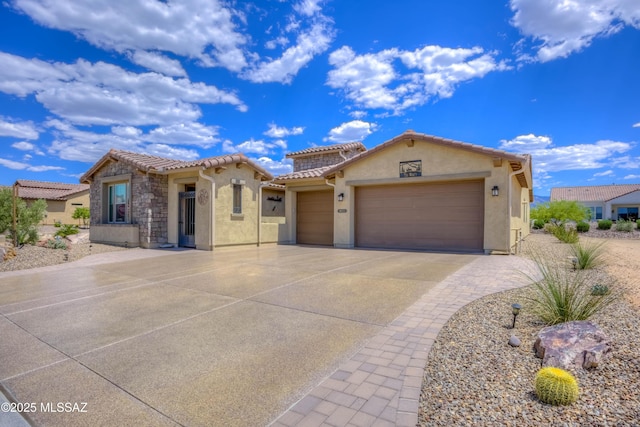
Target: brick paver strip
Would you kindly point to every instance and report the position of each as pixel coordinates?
(381, 384)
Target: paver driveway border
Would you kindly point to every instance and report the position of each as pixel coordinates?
(380, 385)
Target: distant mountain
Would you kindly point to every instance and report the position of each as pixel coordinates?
(539, 199)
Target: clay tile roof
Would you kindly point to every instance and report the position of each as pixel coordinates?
(155, 164)
(328, 149)
(514, 158)
(303, 174)
(593, 193)
(28, 189)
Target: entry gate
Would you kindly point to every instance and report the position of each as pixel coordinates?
(187, 223)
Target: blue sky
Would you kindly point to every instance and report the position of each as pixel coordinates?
(187, 79)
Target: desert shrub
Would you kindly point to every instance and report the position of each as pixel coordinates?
(57, 224)
(625, 226)
(599, 289)
(28, 218)
(587, 255)
(538, 224)
(637, 223)
(560, 211)
(563, 295)
(582, 227)
(55, 244)
(564, 234)
(67, 230)
(604, 224)
(83, 214)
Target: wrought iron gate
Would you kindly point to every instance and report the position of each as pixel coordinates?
(187, 223)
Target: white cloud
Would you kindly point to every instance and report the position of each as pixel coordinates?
(376, 80)
(634, 177)
(627, 162)
(358, 114)
(549, 158)
(105, 94)
(185, 134)
(199, 29)
(565, 27)
(276, 131)
(26, 130)
(637, 125)
(275, 167)
(308, 44)
(27, 146)
(158, 62)
(605, 173)
(307, 7)
(10, 164)
(352, 131)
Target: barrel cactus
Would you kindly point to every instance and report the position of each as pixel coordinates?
(556, 386)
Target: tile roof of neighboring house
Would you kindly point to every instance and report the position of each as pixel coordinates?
(161, 165)
(328, 149)
(303, 174)
(274, 186)
(28, 189)
(593, 193)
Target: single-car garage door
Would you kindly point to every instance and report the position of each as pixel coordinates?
(435, 216)
(314, 225)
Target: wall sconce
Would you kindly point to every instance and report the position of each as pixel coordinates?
(495, 191)
(340, 197)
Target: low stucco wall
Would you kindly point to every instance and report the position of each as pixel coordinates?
(116, 234)
(274, 230)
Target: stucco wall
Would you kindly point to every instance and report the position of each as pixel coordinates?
(272, 203)
(62, 210)
(439, 163)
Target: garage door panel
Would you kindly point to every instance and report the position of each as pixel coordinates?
(442, 216)
(314, 218)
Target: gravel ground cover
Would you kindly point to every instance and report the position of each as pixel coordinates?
(473, 377)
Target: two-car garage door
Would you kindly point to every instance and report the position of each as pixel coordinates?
(434, 216)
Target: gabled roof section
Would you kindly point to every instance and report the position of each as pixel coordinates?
(161, 165)
(593, 193)
(516, 160)
(28, 189)
(303, 174)
(350, 146)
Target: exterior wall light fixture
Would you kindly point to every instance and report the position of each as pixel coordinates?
(340, 197)
(495, 191)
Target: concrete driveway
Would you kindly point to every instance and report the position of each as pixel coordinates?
(230, 337)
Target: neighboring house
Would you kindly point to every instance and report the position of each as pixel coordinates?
(414, 191)
(62, 199)
(150, 201)
(605, 201)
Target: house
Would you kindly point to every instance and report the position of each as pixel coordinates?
(614, 202)
(414, 191)
(62, 199)
(149, 201)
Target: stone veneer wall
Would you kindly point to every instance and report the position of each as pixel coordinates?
(318, 160)
(148, 191)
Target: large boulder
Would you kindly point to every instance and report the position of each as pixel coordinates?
(577, 344)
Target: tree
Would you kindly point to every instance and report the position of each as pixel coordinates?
(6, 209)
(560, 211)
(81, 213)
(28, 217)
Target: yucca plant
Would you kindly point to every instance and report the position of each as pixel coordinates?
(564, 234)
(563, 295)
(587, 255)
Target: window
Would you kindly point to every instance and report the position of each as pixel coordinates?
(596, 213)
(237, 198)
(629, 214)
(118, 203)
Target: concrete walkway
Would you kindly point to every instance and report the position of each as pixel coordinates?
(381, 384)
(140, 333)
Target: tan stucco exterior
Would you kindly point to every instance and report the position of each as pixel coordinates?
(506, 216)
(62, 210)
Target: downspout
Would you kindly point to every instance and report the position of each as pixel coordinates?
(211, 218)
(511, 175)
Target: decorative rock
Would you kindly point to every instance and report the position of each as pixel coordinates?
(579, 344)
(514, 341)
